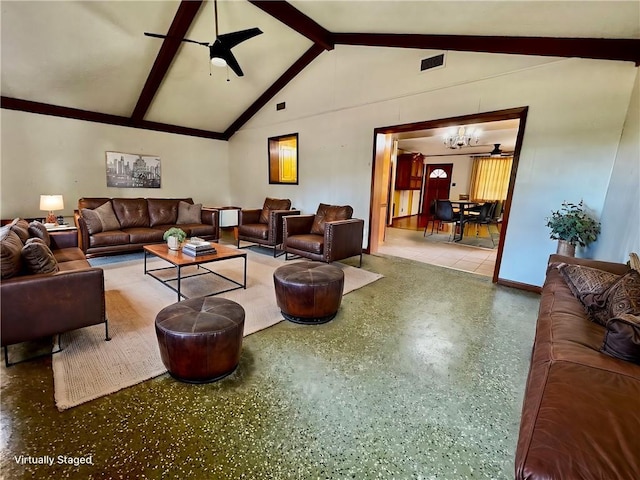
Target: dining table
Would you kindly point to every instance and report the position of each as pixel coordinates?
(463, 207)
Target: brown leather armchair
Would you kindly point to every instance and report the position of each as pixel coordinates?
(264, 226)
(329, 235)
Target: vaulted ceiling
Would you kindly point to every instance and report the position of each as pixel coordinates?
(90, 60)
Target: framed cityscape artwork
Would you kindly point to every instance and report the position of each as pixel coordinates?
(126, 170)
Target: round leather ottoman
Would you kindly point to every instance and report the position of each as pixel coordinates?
(200, 339)
(309, 292)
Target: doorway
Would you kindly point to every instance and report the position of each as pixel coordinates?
(437, 186)
(381, 163)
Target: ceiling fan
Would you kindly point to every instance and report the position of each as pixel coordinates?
(497, 152)
(220, 50)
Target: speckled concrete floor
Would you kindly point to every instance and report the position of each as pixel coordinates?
(420, 375)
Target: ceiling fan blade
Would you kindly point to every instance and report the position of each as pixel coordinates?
(232, 39)
(218, 49)
(157, 35)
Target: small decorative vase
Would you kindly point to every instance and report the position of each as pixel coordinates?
(173, 243)
(565, 248)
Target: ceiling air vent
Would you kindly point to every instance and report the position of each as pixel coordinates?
(432, 62)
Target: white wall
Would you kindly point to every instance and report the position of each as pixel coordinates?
(621, 213)
(50, 155)
(576, 112)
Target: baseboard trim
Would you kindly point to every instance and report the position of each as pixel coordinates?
(520, 286)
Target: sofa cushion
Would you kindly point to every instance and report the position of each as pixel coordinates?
(107, 217)
(131, 212)
(621, 297)
(273, 204)
(198, 229)
(144, 235)
(92, 220)
(21, 228)
(162, 211)
(38, 230)
(107, 239)
(188, 213)
(10, 253)
(585, 282)
(307, 242)
(329, 213)
(38, 258)
(254, 230)
(623, 338)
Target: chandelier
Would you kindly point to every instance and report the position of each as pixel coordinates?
(464, 138)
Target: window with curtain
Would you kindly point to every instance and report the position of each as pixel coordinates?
(490, 178)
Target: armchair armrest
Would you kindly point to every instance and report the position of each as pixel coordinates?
(35, 306)
(343, 239)
(249, 216)
(297, 225)
(211, 216)
(83, 231)
(276, 227)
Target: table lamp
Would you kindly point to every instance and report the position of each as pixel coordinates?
(51, 203)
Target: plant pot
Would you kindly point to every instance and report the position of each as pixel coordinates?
(565, 248)
(173, 243)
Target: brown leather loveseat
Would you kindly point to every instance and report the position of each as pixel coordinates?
(581, 410)
(117, 225)
(47, 288)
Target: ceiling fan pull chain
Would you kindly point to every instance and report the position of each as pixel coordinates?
(228, 74)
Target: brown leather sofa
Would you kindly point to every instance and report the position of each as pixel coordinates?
(329, 235)
(581, 410)
(33, 305)
(139, 222)
(264, 225)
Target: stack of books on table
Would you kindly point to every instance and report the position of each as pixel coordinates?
(197, 248)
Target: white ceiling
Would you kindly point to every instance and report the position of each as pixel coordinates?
(431, 142)
(93, 55)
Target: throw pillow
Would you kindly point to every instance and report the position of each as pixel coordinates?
(38, 230)
(92, 220)
(622, 297)
(622, 339)
(585, 282)
(273, 204)
(21, 228)
(107, 217)
(188, 213)
(10, 253)
(34, 240)
(38, 258)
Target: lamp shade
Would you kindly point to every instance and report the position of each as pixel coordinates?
(51, 202)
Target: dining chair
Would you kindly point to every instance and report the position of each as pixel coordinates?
(443, 214)
(483, 217)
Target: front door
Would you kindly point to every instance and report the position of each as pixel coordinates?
(437, 185)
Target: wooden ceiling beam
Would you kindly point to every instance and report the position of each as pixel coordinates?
(88, 116)
(182, 20)
(278, 85)
(597, 48)
(296, 20)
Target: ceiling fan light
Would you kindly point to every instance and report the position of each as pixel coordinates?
(218, 62)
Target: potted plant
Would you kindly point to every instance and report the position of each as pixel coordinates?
(571, 225)
(174, 237)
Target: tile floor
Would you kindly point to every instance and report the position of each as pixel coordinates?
(413, 245)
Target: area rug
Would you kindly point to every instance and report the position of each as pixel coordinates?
(90, 367)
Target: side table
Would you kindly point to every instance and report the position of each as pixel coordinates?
(228, 217)
(63, 236)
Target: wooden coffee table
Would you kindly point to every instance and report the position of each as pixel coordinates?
(180, 260)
